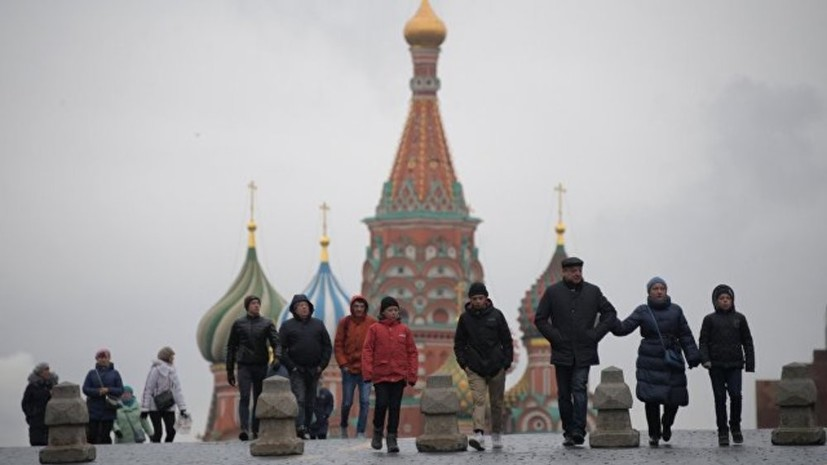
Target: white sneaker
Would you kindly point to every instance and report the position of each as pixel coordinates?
(477, 441)
(496, 441)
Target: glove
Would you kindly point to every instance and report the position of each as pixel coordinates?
(231, 378)
(411, 383)
(707, 365)
(119, 434)
(184, 414)
(144, 415)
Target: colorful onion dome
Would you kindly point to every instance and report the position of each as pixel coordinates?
(425, 29)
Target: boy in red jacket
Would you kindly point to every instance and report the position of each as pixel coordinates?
(389, 360)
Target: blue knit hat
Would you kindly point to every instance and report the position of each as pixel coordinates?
(653, 281)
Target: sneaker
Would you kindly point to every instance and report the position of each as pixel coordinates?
(497, 441)
(667, 433)
(301, 433)
(376, 441)
(344, 433)
(723, 439)
(393, 446)
(567, 440)
(477, 441)
(255, 435)
(360, 436)
(737, 436)
(243, 435)
(578, 439)
(653, 441)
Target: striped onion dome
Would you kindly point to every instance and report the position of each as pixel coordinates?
(214, 328)
(330, 301)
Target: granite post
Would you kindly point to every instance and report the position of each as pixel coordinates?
(613, 399)
(276, 411)
(67, 417)
(440, 405)
(796, 398)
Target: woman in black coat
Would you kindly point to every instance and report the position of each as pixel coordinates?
(35, 397)
(662, 325)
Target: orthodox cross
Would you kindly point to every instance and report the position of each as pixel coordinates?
(252, 186)
(324, 208)
(560, 191)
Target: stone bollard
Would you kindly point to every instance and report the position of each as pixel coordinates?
(276, 411)
(67, 417)
(440, 405)
(613, 399)
(796, 398)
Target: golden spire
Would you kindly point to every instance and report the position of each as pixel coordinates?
(425, 29)
(251, 225)
(325, 241)
(560, 229)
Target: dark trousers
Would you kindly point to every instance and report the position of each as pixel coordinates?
(99, 432)
(726, 381)
(169, 423)
(572, 397)
(38, 435)
(303, 382)
(250, 377)
(388, 401)
(654, 419)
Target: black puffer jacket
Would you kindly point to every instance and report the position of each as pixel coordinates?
(726, 340)
(35, 397)
(250, 337)
(483, 341)
(566, 318)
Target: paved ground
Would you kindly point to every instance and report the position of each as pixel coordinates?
(686, 447)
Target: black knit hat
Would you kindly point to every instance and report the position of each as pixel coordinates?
(477, 289)
(387, 301)
(248, 300)
(722, 289)
(572, 261)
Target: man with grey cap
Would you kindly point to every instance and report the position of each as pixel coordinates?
(573, 316)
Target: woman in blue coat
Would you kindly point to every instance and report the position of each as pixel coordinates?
(101, 381)
(662, 325)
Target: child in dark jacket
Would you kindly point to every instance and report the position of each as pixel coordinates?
(726, 349)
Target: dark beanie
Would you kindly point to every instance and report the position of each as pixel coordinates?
(571, 261)
(722, 289)
(300, 298)
(477, 289)
(387, 301)
(248, 300)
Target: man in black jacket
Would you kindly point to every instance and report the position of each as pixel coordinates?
(307, 351)
(248, 347)
(485, 350)
(567, 317)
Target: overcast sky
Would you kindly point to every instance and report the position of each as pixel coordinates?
(691, 136)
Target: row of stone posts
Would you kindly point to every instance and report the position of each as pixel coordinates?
(67, 416)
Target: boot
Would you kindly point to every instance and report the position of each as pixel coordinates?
(376, 441)
(393, 447)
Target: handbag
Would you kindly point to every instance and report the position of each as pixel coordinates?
(164, 400)
(110, 401)
(672, 357)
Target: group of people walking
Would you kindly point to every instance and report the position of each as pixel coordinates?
(574, 315)
(113, 407)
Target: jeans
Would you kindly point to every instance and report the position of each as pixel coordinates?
(572, 397)
(491, 388)
(653, 418)
(303, 382)
(388, 400)
(249, 377)
(726, 381)
(351, 381)
(169, 423)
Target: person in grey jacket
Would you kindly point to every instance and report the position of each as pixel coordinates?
(251, 337)
(306, 351)
(573, 316)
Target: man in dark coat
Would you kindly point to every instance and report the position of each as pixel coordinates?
(306, 353)
(247, 346)
(567, 317)
(485, 350)
(35, 397)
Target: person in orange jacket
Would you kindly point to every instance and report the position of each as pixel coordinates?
(389, 360)
(347, 346)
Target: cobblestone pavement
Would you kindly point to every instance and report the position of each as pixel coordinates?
(686, 447)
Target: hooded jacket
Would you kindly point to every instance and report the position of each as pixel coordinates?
(305, 342)
(128, 421)
(389, 354)
(726, 340)
(162, 376)
(350, 337)
(483, 341)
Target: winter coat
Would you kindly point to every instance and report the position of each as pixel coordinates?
(128, 421)
(566, 318)
(350, 337)
(95, 402)
(305, 344)
(162, 376)
(249, 342)
(321, 412)
(482, 341)
(35, 397)
(656, 382)
(389, 354)
(726, 340)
